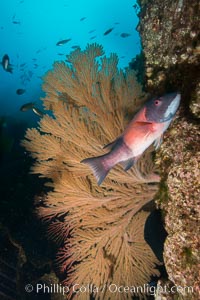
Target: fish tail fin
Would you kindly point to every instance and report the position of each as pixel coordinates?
(99, 167)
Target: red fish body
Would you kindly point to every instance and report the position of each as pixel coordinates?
(146, 128)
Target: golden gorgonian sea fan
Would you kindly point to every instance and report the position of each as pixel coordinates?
(101, 228)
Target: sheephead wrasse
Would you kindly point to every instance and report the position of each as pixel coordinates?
(146, 128)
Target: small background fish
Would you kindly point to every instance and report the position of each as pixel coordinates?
(6, 63)
(27, 106)
(20, 91)
(108, 31)
(124, 34)
(63, 42)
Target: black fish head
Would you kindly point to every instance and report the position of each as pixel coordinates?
(5, 57)
(162, 109)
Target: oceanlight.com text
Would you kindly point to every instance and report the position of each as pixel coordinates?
(111, 288)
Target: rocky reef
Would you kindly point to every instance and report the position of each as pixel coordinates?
(179, 159)
(170, 37)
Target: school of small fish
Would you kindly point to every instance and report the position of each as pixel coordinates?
(140, 133)
(26, 75)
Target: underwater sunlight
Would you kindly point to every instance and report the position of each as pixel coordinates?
(34, 34)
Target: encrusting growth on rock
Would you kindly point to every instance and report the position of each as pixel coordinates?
(179, 160)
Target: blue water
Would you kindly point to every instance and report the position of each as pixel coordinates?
(30, 29)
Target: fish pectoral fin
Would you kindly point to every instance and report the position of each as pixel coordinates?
(158, 142)
(127, 164)
(143, 126)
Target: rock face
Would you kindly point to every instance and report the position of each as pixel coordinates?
(170, 37)
(179, 159)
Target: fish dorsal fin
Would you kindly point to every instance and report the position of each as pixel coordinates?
(111, 145)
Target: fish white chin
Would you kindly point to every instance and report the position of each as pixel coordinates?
(172, 108)
(6, 64)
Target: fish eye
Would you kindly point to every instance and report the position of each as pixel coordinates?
(157, 102)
